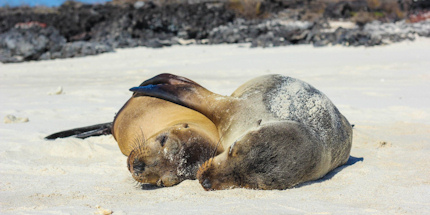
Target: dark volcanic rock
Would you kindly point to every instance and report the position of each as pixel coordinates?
(136, 27)
(76, 49)
(344, 9)
(372, 34)
(262, 34)
(99, 28)
(22, 44)
(123, 26)
(77, 29)
(34, 42)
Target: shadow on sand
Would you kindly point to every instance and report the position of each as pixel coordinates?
(351, 161)
(149, 187)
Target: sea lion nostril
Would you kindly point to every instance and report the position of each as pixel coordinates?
(138, 166)
(207, 184)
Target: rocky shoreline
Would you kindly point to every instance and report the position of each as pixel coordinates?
(76, 29)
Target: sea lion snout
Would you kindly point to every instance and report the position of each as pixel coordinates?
(211, 179)
(207, 184)
(134, 165)
(203, 174)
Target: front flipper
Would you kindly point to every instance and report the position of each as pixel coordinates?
(167, 78)
(163, 91)
(181, 91)
(84, 132)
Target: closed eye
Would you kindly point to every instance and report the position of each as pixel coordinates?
(162, 139)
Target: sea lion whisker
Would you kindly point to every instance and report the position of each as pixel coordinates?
(134, 144)
(137, 143)
(216, 147)
(142, 141)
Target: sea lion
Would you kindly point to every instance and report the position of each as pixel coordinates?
(277, 131)
(165, 143)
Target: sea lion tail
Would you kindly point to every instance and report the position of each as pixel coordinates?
(83, 132)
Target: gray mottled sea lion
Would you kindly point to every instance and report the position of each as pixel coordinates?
(277, 131)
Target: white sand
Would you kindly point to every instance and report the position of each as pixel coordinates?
(384, 91)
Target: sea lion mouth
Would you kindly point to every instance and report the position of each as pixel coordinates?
(160, 183)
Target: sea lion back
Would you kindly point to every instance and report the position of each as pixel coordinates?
(294, 100)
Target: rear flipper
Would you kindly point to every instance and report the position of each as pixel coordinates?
(84, 132)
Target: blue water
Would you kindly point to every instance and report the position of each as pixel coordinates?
(49, 3)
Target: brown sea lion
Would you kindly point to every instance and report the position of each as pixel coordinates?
(165, 143)
(277, 131)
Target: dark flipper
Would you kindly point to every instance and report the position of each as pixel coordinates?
(182, 91)
(171, 88)
(167, 78)
(162, 91)
(84, 132)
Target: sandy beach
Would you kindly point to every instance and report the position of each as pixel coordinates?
(384, 91)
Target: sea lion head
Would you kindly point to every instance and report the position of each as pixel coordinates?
(170, 156)
(226, 171)
(271, 156)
